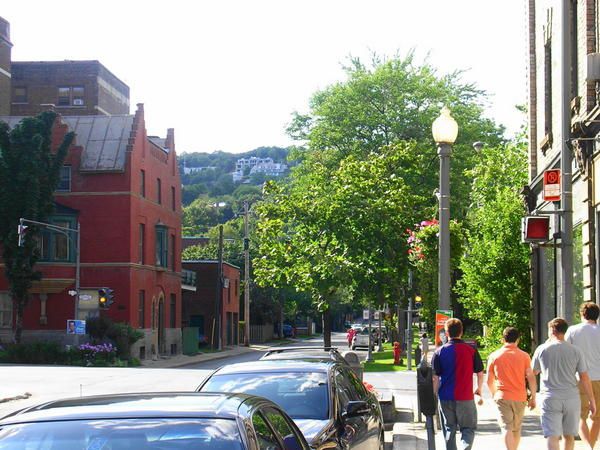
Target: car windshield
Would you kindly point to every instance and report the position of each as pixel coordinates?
(138, 434)
(302, 395)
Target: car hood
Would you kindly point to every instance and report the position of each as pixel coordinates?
(311, 428)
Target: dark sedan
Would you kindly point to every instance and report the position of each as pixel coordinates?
(166, 421)
(326, 400)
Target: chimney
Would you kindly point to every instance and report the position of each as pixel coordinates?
(5, 58)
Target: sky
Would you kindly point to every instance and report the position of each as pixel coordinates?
(228, 74)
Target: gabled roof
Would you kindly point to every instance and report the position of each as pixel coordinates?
(104, 139)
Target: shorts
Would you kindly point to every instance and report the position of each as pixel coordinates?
(585, 403)
(511, 414)
(560, 417)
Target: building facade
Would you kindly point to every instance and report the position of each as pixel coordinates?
(124, 191)
(199, 307)
(564, 133)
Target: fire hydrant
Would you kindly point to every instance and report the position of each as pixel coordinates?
(397, 354)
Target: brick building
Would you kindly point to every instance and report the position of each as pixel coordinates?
(75, 88)
(199, 307)
(123, 188)
(564, 132)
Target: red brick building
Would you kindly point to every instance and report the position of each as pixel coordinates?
(199, 307)
(124, 190)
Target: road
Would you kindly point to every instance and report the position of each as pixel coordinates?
(337, 340)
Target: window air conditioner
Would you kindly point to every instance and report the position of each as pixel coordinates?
(78, 102)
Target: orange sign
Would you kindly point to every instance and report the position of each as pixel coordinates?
(441, 316)
(551, 191)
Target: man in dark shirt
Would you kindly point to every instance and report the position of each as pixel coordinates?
(454, 364)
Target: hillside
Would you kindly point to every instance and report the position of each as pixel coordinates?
(210, 174)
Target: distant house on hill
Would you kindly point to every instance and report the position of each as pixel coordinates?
(255, 165)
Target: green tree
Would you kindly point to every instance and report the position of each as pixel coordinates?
(29, 175)
(391, 101)
(495, 286)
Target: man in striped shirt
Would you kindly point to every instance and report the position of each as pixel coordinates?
(454, 364)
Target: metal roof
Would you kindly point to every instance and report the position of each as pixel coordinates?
(104, 139)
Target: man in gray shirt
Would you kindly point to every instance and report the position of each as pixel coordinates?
(559, 362)
(586, 337)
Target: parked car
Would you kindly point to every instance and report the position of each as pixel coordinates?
(361, 339)
(327, 401)
(305, 352)
(165, 421)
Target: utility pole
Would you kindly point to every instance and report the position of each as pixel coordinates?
(409, 333)
(565, 306)
(219, 296)
(369, 352)
(246, 278)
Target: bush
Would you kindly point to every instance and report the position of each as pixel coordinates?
(102, 354)
(97, 327)
(34, 353)
(124, 336)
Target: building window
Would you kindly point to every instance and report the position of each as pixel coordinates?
(20, 95)
(142, 244)
(158, 191)
(71, 96)
(548, 88)
(173, 252)
(173, 311)
(162, 246)
(141, 309)
(173, 198)
(57, 246)
(6, 310)
(143, 183)
(64, 185)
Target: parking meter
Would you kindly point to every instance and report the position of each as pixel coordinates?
(427, 400)
(417, 355)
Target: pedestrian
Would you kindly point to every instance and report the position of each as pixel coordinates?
(559, 362)
(424, 346)
(454, 364)
(507, 370)
(350, 336)
(586, 337)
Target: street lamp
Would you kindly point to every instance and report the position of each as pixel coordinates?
(445, 130)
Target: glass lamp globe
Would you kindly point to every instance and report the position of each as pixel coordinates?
(444, 128)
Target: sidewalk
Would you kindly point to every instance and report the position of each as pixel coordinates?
(172, 362)
(413, 436)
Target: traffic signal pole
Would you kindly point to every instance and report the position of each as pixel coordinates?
(246, 278)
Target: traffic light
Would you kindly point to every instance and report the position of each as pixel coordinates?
(21, 229)
(105, 298)
(535, 229)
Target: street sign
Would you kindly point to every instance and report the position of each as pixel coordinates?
(376, 315)
(75, 326)
(365, 314)
(551, 192)
(535, 229)
(85, 297)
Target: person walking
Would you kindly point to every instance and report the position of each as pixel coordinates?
(558, 362)
(454, 364)
(507, 370)
(350, 336)
(586, 337)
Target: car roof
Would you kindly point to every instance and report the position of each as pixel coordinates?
(296, 364)
(129, 406)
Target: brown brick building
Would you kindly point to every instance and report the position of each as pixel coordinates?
(75, 88)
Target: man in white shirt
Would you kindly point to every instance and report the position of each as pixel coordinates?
(586, 337)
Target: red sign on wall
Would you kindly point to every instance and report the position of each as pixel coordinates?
(551, 191)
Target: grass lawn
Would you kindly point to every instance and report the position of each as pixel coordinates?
(384, 361)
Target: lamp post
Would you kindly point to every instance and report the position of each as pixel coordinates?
(445, 130)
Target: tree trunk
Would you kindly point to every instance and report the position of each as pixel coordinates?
(327, 328)
(20, 304)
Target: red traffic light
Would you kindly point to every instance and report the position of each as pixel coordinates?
(536, 229)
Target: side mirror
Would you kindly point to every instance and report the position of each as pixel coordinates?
(356, 409)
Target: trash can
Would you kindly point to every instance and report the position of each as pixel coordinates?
(354, 363)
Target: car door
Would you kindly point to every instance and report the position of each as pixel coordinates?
(266, 438)
(286, 431)
(375, 419)
(354, 431)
